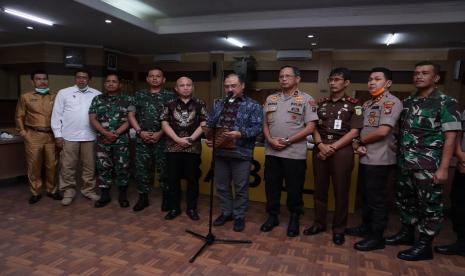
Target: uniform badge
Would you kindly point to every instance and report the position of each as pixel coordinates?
(388, 107)
(346, 105)
(274, 98)
(372, 118)
(358, 110)
(299, 99)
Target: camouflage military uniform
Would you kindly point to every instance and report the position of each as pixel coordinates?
(422, 126)
(111, 112)
(148, 107)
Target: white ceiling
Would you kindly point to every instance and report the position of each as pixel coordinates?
(200, 25)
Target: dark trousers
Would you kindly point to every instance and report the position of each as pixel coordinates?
(183, 165)
(457, 196)
(371, 196)
(292, 172)
(338, 168)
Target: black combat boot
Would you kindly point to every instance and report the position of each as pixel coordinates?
(406, 236)
(165, 207)
(422, 250)
(294, 225)
(142, 202)
(123, 197)
(105, 198)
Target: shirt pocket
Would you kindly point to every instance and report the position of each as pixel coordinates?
(294, 115)
(426, 120)
(372, 118)
(72, 103)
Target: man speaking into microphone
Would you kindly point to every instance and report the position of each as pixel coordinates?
(237, 120)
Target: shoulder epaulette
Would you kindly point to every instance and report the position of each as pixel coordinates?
(322, 100)
(352, 100)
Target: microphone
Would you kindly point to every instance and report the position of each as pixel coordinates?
(229, 97)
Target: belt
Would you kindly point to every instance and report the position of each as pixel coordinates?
(41, 129)
(330, 137)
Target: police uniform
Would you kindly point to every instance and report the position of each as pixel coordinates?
(285, 116)
(378, 163)
(336, 118)
(422, 126)
(33, 113)
(148, 107)
(111, 112)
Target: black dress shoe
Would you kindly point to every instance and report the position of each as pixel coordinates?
(192, 214)
(222, 219)
(406, 236)
(142, 202)
(55, 196)
(369, 244)
(270, 223)
(457, 248)
(338, 238)
(314, 229)
(359, 231)
(293, 228)
(239, 225)
(172, 214)
(34, 199)
(421, 251)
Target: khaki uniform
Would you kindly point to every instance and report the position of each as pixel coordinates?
(33, 113)
(376, 166)
(287, 115)
(336, 118)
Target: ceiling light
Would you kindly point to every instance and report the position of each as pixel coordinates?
(391, 39)
(134, 7)
(30, 27)
(310, 36)
(235, 42)
(29, 16)
(108, 21)
(313, 44)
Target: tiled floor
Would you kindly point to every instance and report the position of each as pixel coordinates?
(48, 239)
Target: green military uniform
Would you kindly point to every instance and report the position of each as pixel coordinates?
(112, 112)
(422, 126)
(148, 107)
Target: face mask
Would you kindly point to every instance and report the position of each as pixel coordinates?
(42, 90)
(84, 89)
(377, 92)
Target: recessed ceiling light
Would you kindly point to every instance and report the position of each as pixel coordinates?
(391, 39)
(310, 36)
(313, 44)
(30, 27)
(235, 42)
(108, 21)
(29, 16)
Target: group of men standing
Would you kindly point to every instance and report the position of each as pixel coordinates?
(418, 134)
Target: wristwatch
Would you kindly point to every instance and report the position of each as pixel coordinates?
(138, 131)
(287, 141)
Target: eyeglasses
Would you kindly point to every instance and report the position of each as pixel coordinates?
(334, 79)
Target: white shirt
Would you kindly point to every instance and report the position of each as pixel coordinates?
(70, 116)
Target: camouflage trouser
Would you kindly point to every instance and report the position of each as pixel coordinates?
(419, 200)
(148, 155)
(112, 159)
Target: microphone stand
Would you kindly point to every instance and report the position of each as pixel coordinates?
(210, 239)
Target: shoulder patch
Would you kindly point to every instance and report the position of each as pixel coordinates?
(358, 110)
(352, 100)
(322, 100)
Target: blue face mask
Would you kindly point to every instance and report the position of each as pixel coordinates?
(42, 90)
